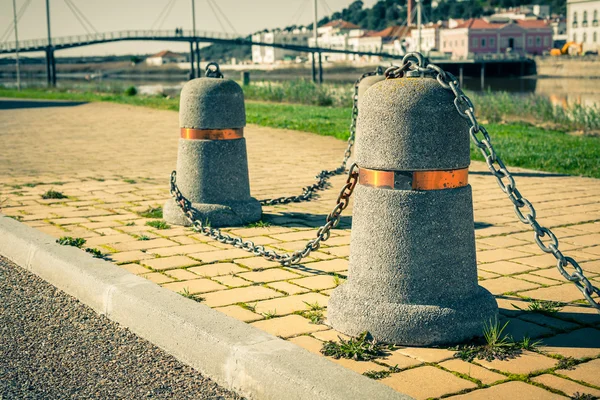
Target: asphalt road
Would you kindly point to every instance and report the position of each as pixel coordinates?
(54, 347)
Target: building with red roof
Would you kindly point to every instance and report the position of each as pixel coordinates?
(481, 36)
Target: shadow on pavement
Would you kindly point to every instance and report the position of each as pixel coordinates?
(14, 104)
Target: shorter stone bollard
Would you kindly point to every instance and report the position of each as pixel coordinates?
(412, 276)
(212, 164)
(245, 75)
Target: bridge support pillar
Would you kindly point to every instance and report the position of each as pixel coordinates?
(482, 76)
(320, 69)
(314, 68)
(192, 72)
(198, 60)
(461, 74)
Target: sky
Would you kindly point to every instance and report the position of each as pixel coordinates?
(246, 16)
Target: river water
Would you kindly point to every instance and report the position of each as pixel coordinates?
(561, 91)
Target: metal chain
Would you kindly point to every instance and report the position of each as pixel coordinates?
(523, 207)
(323, 176)
(322, 235)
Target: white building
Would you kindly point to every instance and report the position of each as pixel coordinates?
(271, 55)
(339, 35)
(582, 23)
(166, 57)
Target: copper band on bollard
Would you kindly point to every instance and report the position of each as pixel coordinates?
(212, 134)
(417, 180)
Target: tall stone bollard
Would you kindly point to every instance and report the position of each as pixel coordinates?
(412, 276)
(369, 81)
(212, 165)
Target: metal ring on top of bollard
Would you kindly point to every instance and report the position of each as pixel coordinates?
(213, 70)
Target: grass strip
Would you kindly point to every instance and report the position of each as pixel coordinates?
(518, 144)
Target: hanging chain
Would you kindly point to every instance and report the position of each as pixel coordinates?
(332, 221)
(323, 176)
(523, 207)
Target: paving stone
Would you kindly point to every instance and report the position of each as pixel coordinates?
(519, 329)
(510, 390)
(181, 274)
(186, 249)
(292, 236)
(586, 372)
(290, 304)
(183, 239)
(134, 268)
(507, 284)
(526, 363)
(306, 342)
(128, 256)
(540, 261)
(489, 256)
(427, 354)
(217, 269)
(340, 251)
(240, 313)
(578, 344)
(287, 287)
(548, 320)
(397, 359)
(505, 267)
(285, 327)
(483, 375)
(239, 295)
(119, 238)
(335, 265)
(169, 262)
(565, 293)
(232, 281)
(566, 386)
(481, 274)
(426, 382)
(157, 277)
(330, 335)
(220, 255)
(194, 286)
(539, 279)
(269, 275)
(317, 282)
(582, 314)
(143, 244)
(257, 263)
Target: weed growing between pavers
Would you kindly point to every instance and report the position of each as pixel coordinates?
(314, 313)
(583, 396)
(542, 307)
(259, 224)
(269, 314)
(71, 241)
(94, 252)
(152, 212)
(143, 237)
(567, 363)
(53, 194)
(381, 374)
(131, 181)
(186, 293)
(158, 224)
(497, 345)
(363, 348)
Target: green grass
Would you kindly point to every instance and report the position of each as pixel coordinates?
(152, 212)
(362, 348)
(158, 224)
(71, 241)
(53, 194)
(518, 144)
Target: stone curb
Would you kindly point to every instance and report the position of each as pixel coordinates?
(236, 355)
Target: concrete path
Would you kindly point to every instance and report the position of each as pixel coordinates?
(53, 347)
(113, 162)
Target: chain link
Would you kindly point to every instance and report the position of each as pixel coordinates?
(523, 207)
(332, 221)
(323, 176)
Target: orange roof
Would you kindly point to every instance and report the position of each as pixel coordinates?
(532, 23)
(166, 53)
(392, 31)
(340, 24)
(478, 23)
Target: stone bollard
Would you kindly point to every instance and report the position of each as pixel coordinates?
(212, 165)
(369, 81)
(412, 276)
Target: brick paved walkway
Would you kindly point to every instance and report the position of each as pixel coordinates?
(113, 162)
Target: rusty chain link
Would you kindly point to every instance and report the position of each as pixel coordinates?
(323, 176)
(522, 207)
(332, 220)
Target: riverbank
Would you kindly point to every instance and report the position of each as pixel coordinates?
(520, 144)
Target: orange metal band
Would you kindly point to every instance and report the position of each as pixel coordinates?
(417, 180)
(212, 134)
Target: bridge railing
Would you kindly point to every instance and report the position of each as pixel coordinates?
(118, 35)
